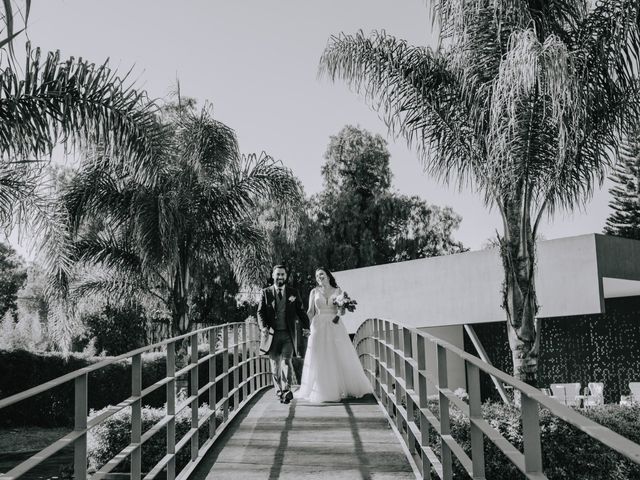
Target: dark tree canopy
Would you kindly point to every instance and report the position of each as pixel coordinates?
(13, 274)
(362, 221)
(357, 220)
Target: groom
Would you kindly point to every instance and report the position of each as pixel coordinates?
(279, 308)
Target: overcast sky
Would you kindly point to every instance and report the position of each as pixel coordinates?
(256, 62)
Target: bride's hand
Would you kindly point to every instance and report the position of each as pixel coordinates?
(336, 319)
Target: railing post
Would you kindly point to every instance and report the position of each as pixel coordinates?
(171, 410)
(475, 412)
(255, 357)
(194, 393)
(398, 363)
(225, 372)
(423, 398)
(259, 368)
(377, 373)
(136, 416)
(407, 346)
(244, 356)
(407, 349)
(236, 372)
(387, 359)
(212, 380)
(531, 435)
(80, 424)
(370, 346)
(445, 424)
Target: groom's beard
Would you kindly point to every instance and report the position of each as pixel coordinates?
(279, 283)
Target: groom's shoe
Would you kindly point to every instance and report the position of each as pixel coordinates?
(287, 397)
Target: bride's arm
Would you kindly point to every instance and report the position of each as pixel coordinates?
(311, 309)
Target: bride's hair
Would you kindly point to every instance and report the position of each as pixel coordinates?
(332, 279)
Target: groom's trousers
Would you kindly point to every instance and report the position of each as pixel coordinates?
(280, 355)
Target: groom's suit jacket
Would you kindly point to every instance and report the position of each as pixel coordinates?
(294, 310)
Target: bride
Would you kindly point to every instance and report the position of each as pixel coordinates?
(331, 370)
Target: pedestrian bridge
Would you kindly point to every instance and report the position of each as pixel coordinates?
(244, 433)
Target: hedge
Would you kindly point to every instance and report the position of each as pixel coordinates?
(566, 451)
(21, 370)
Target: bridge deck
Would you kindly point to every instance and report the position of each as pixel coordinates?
(345, 440)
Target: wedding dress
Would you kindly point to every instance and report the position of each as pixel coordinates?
(332, 370)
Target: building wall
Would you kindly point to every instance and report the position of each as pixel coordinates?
(584, 348)
(466, 288)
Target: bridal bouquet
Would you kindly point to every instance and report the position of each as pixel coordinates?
(345, 303)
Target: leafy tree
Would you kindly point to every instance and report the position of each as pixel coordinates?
(23, 334)
(624, 221)
(158, 243)
(218, 298)
(13, 274)
(362, 221)
(32, 302)
(295, 240)
(117, 330)
(523, 101)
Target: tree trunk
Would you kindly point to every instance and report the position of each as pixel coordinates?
(517, 250)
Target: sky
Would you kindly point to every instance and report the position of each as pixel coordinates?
(256, 63)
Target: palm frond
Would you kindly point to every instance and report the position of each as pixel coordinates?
(19, 192)
(112, 285)
(77, 102)
(8, 17)
(417, 93)
(207, 145)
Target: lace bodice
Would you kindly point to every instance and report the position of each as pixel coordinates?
(321, 304)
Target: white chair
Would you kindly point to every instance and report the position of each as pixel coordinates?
(559, 393)
(594, 394)
(572, 391)
(634, 388)
(566, 393)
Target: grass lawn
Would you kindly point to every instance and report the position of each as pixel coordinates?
(25, 439)
(18, 444)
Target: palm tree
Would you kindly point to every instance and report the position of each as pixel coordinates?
(162, 241)
(48, 100)
(74, 102)
(524, 101)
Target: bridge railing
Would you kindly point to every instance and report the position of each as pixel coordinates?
(395, 359)
(244, 372)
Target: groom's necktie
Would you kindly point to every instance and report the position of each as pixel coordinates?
(279, 294)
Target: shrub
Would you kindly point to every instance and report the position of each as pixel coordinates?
(108, 438)
(567, 452)
(117, 330)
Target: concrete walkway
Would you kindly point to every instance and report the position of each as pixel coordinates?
(343, 441)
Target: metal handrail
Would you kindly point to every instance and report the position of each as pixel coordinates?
(255, 370)
(396, 368)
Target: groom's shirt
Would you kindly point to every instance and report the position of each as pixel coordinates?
(281, 310)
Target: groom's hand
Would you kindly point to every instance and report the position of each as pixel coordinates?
(306, 332)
